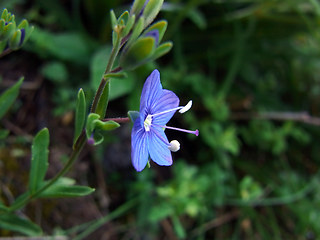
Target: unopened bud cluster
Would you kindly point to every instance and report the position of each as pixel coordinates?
(12, 36)
(140, 39)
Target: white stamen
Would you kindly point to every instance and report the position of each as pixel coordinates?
(186, 107)
(181, 109)
(174, 146)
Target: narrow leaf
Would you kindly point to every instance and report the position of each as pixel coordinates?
(137, 7)
(161, 26)
(106, 126)
(103, 101)
(64, 191)
(8, 97)
(128, 26)
(19, 201)
(151, 10)
(81, 111)
(178, 227)
(14, 42)
(115, 75)
(137, 29)
(14, 223)
(162, 50)
(113, 19)
(3, 208)
(39, 160)
(138, 53)
(124, 18)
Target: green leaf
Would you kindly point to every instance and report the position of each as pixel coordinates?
(98, 138)
(106, 126)
(65, 46)
(198, 18)
(123, 19)
(137, 7)
(98, 65)
(3, 207)
(138, 53)
(121, 87)
(14, 223)
(162, 50)
(4, 133)
(161, 26)
(39, 160)
(20, 201)
(128, 26)
(90, 125)
(24, 24)
(3, 44)
(133, 115)
(14, 42)
(7, 31)
(137, 30)
(4, 13)
(60, 191)
(151, 10)
(119, 75)
(113, 18)
(55, 71)
(103, 100)
(81, 112)
(65, 187)
(161, 211)
(93, 123)
(8, 97)
(178, 228)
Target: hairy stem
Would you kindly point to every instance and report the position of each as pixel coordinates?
(118, 120)
(113, 55)
(80, 143)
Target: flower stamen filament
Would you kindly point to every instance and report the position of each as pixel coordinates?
(182, 109)
(196, 132)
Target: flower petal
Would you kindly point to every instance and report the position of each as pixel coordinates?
(158, 147)
(139, 146)
(168, 100)
(152, 90)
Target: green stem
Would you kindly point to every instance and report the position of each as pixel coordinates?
(80, 143)
(113, 55)
(73, 157)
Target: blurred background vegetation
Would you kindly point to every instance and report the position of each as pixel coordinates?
(252, 69)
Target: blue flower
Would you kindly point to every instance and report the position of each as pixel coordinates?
(157, 106)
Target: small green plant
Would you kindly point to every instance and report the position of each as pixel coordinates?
(137, 41)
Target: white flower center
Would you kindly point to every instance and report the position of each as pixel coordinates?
(147, 123)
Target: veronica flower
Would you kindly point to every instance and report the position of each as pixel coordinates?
(157, 107)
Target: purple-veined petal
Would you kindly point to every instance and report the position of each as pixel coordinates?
(158, 147)
(152, 90)
(139, 146)
(168, 100)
